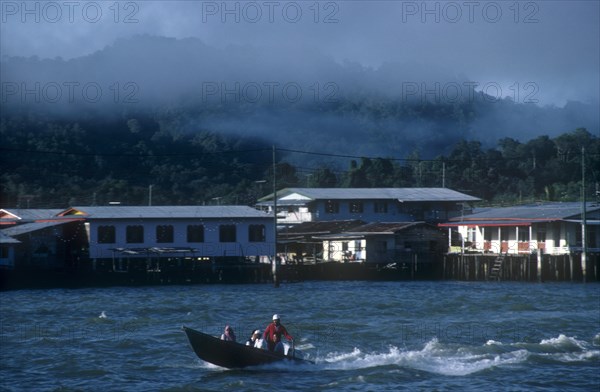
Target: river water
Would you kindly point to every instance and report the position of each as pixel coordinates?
(373, 336)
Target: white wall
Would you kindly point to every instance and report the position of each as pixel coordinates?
(210, 247)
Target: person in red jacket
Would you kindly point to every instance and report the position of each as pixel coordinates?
(273, 332)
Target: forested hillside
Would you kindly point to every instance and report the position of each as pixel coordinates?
(178, 121)
(51, 162)
(306, 101)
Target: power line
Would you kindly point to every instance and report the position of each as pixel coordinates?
(131, 155)
(264, 149)
(417, 160)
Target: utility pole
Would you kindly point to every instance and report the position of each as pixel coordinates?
(274, 266)
(583, 218)
(150, 195)
(443, 174)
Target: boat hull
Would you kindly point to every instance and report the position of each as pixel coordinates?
(231, 355)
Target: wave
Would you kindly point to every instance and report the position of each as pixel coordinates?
(450, 359)
(460, 360)
(435, 357)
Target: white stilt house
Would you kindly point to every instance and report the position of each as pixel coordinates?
(550, 228)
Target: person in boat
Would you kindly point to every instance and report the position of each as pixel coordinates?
(273, 332)
(255, 339)
(228, 334)
(278, 348)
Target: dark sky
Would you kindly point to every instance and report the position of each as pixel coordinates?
(547, 50)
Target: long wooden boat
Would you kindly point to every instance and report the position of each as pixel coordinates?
(231, 354)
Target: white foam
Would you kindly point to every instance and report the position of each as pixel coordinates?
(492, 342)
(103, 315)
(461, 361)
(452, 359)
(434, 357)
(564, 342)
(562, 348)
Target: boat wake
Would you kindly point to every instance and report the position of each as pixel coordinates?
(461, 360)
(450, 359)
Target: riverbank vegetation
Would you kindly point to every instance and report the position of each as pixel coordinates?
(50, 162)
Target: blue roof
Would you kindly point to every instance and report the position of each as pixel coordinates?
(160, 212)
(546, 212)
(400, 194)
(29, 214)
(30, 227)
(6, 239)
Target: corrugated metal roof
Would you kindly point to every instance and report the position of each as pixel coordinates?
(30, 213)
(174, 212)
(284, 203)
(153, 250)
(525, 214)
(593, 222)
(482, 223)
(6, 239)
(326, 227)
(388, 227)
(401, 194)
(29, 227)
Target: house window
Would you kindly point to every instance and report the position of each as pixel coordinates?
(487, 234)
(227, 233)
(134, 234)
(471, 234)
(358, 245)
(195, 233)
(591, 237)
(356, 207)
(3, 252)
(541, 233)
(164, 233)
(578, 241)
(381, 207)
(556, 234)
(504, 234)
(332, 207)
(106, 235)
(523, 234)
(256, 233)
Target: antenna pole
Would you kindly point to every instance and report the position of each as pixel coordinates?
(274, 266)
(583, 218)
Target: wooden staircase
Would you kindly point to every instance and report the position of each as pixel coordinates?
(495, 272)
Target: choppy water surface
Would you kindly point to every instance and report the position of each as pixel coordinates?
(363, 336)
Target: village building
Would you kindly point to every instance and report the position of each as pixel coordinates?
(389, 242)
(7, 251)
(43, 240)
(9, 217)
(317, 224)
(549, 228)
(49, 245)
(298, 205)
(355, 241)
(118, 235)
(298, 243)
(89, 237)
